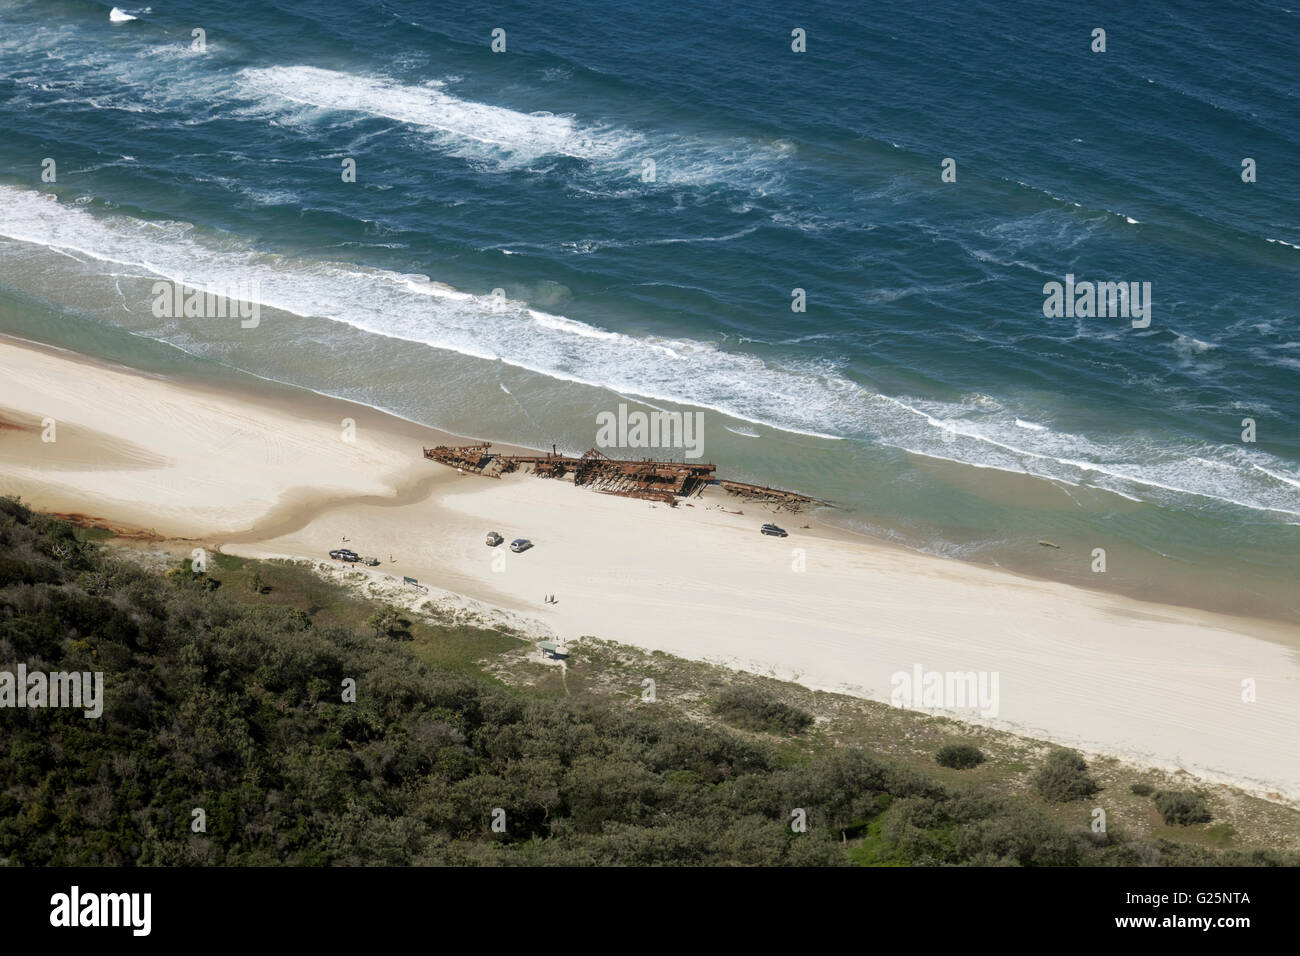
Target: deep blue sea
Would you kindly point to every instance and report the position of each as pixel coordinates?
(923, 389)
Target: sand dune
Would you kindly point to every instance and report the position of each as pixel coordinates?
(1157, 684)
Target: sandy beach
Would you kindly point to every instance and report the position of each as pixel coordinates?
(256, 476)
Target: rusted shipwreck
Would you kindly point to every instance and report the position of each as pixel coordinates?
(662, 481)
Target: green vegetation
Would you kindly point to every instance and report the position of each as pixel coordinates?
(1064, 777)
(231, 698)
(973, 830)
(1220, 834)
(1177, 807)
(750, 708)
(959, 756)
(1142, 789)
(388, 622)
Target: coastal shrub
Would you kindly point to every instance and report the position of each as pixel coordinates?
(240, 702)
(750, 708)
(917, 831)
(388, 622)
(1064, 777)
(1017, 836)
(959, 756)
(1182, 808)
(184, 575)
(1142, 789)
(972, 829)
(15, 571)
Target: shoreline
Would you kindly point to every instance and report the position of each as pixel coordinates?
(293, 400)
(259, 475)
(204, 374)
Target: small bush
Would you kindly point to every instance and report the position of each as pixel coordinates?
(1064, 777)
(1141, 789)
(15, 571)
(959, 756)
(754, 709)
(1182, 808)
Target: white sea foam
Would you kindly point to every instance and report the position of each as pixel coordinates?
(165, 78)
(1136, 466)
(807, 397)
(415, 309)
(513, 138)
(117, 15)
(1190, 348)
(526, 135)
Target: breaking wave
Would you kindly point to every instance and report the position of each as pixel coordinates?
(808, 397)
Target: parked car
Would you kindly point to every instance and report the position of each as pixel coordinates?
(774, 530)
(344, 554)
(371, 562)
(520, 544)
(494, 539)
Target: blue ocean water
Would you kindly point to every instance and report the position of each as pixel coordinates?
(922, 380)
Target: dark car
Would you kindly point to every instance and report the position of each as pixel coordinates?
(344, 554)
(774, 530)
(520, 544)
(494, 539)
